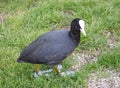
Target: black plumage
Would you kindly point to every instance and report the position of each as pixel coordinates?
(53, 47)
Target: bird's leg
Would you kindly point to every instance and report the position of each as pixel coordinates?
(36, 68)
(36, 73)
(57, 70)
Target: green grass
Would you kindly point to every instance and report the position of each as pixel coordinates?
(110, 60)
(22, 21)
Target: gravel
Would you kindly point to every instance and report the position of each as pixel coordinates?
(98, 80)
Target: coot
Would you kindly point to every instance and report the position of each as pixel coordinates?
(53, 47)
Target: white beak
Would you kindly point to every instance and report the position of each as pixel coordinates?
(82, 25)
(83, 31)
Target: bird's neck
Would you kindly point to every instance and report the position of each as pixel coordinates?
(75, 35)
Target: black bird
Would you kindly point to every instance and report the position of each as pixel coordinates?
(53, 47)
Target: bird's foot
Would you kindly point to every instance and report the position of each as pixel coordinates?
(39, 73)
(35, 74)
(68, 73)
(45, 72)
(59, 67)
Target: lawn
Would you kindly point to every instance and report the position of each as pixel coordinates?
(22, 21)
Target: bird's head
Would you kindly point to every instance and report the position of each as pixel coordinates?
(78, 25)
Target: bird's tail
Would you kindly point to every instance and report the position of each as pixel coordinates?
(19, 60)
